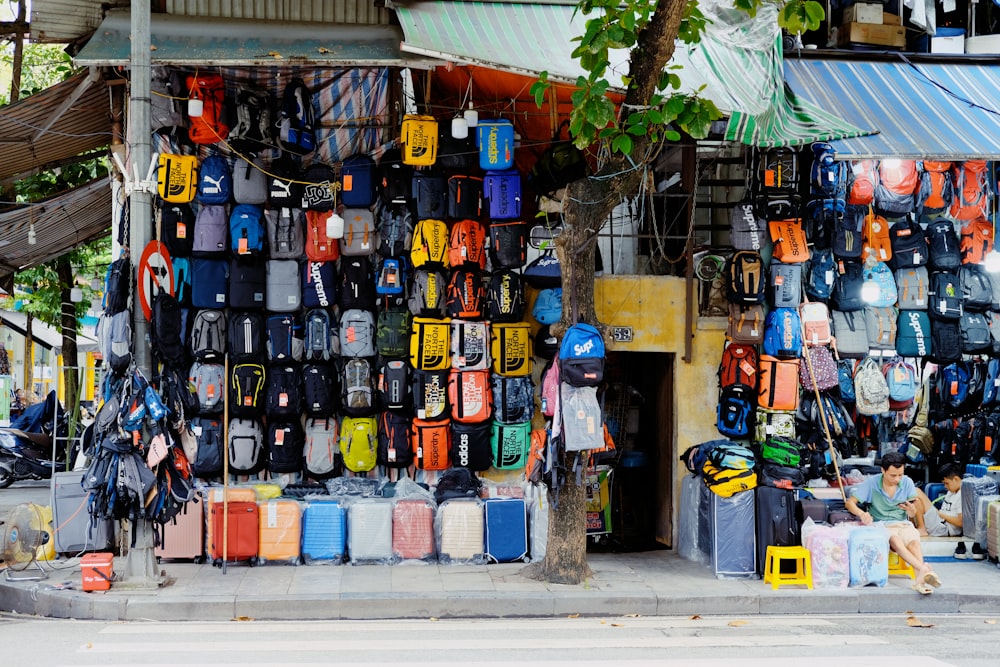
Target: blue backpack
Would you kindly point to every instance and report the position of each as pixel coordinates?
(502, 190)
(845, 378)
(209, 283)
(829, 176)
(783, 334)
(246, 230)
(581, 356)
(822, 274)
(390, 277)
(881, 275)
(182, 280)
(952, 386)
(548, 306)
(319, 284)
(215, 181)
(991, 392)
(358, 180)
(296, 124)
(735, 410)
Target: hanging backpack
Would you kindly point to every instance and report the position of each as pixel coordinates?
(430, 194)
(247, 384)
(945, 296)
(470, 446)
(319, 390)
(208, 335)
(251, 130)
(431, 444)
(881, 326)
(548, 306)
(946, 341)
(909, 244)
(581, 356)
(246, 336)
(395, 230)
(871, 392)
(773, 423)
(470, 397)
(321, 452)
(392, 333)
(789, 239)
(284, 286)
(359, 443)
(249, 182)
(913, 334)
(508, 244)
(285, 232)
(176, 228)
(945, 253)
(912, 288)
(936, 190)
(246, 230)
(897, 187)
(390, 277)
(511, 348)
(247, 453)
(357, 284)
(208, 381)
(976, 241)
(745, 324)
(395, 178)
(846, 295)
(746, 278)
(495, 139)
(862, 179)
(296, 119)
(357, 333)
(822, 217)
(546, 271)
(778, 170)
(738, 366)
(513, 399)
(430, 244)
(465, 196)
(167, 99)
(394, 385)
(815, 317)
(208, 434)
(821, 274)
(822, 374)
(358, 391)
(182, 280)
(209, 127)
(465, 294)
(851, 333)
(876, 239)
(427, 293)
(166, 330)
(318, 336)
(778, 386)
(247, 283)
(320, 246)
(287, 444)
(177, 178)
(879, 275)
(419, 137)
(360, 236)
(785, 285)
(319, 191)
(430, 394)
(209, 283)
(211, 232)
(848, 238)
(284, 392)
(977, 287)
(358, 181)
(845, 379)
(746, 229)
(828, 176)
(467, 244)
(735, 411)
(394, 447)
(975, 331)
(430, 344)
(502, 190)
(215, 181)
(782, 333)
(470, 345)
(284, 185)
(319, 284)
(284, 338)
(510, 442)
(972, 190)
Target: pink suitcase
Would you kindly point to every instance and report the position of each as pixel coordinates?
(413, 530)
(183, 537)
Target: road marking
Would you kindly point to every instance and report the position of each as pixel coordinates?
(812, 661)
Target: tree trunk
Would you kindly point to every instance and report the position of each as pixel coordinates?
(29, 362)
(71, 374)
(587, 203)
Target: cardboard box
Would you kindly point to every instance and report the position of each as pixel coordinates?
(952, 44)
(97, 571)
(869, 33)
(863, 12)
(891, 19)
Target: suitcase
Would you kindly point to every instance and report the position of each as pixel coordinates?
(184, 537)
(972, 489)
(240, 532)
(74, 528)
(369, 532)
(215, 496)
(777, 523)
(413, 530)
(734, 533)
(460, 531)
(506, 530)
(993, 530)
(280, 532)
(982, 507)
(688, 518)
(829, 555)
(868, 553)
(324, 532)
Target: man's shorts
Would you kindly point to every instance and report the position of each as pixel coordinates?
(937, 526)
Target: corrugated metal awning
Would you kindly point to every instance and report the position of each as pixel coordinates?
(921, 110)
(186, 40)
(54, 124)
(61, 223)
(45, 334)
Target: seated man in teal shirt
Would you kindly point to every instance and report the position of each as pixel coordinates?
(891, 498)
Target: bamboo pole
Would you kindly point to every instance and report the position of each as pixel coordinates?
(822, 414)
(225, 464)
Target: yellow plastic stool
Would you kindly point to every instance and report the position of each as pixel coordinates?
(899, 566)
(803, 567)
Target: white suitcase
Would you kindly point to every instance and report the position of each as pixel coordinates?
(460, 528)
(369, 531)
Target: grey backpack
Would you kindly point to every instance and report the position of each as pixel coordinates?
(785, 285)
(360, 237)
(284, 286)
(211, 231)
(747, 231)
(208, 335)
(358, 388)
(246, 446)
(209, 383)
(427, 293)
(582, 421)
(977, 287)
(976, 336)
(319, 335)
(321, 448)
(911, 288)
(851, 334)
(249, 182)
(115, 338)
(880, 324)
(871, 391)
(357, 333)
(285, 232)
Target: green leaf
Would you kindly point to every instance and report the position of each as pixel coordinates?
(672, 135)
(628, 20)
(539, 88)
(655, 116)
(637, 130)
(622, 144)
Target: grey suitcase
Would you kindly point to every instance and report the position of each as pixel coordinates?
(734, 535)
(284, 286)
(369, 531)
(71, 521)
(972, 489)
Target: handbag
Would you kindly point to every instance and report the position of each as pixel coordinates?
(543, 272)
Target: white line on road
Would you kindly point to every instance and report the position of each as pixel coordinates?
(812, 661)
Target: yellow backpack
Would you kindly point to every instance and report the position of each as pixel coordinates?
(726, 482)
(430, 344)
(430, 243)
(177, 178)
(511, 348)
(420, 140)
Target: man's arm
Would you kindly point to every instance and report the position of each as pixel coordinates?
(852, 506)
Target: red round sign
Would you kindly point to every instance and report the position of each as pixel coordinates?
(156, 272)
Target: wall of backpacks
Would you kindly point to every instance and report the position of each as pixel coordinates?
(862, 279)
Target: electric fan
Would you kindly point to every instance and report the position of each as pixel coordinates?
(707, 266)
(23, 534)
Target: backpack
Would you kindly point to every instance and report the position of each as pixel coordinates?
(782, 451)
(908, 243)
(247, 283)
(395, 230)
(778, 386)
(319, 335)
(782, 333)
(430, 244)
(359, 443)
(320, 246)
(511, 348)
(936, 190)
(513, 399)
(208, 433)
(822, 217)
(945, 296)
(115, 336)
(395, 177)
(785, 285)
(945, 253)
(430, 344)
(952, 386)
(296, 119)
(946, 341)
(465, 295)
(821, 274)
(581, 356)
(285, 188)
(789, 239)
(284, 338)
(879, 276)
(975, 331)
(209, 127)
(977, 287)
(430, 394)
(285, 232)
(215, 181)
(182, 280)
(502, 190)
(976, 241)
(419, 139)
(824, 370)
(390, 277)
(357, 333)
(175, 223)
(319, 192)
(360, 236)
(465, 196)
(247, 384)
(358, 181)
(211, 231)
(467, 244)
(881, 326)
(815, 319)
(913, 334)
(394, 388)
(252, 127)
(458, 155)
(246, 230)
(558, 165)
(972, 190)
(357, 388)
(549, 393)
(510, 443)
(470, 345)
(725, 482)
(470, 446)
(738, 366)
(912, 286)
(582, 421)
(828, 176)
(167, 99)
(430, 194)
(778, 170)
(357, 284)
(735, 411)
(845, 379)
(897, 187)
(249, 182)
(902, 379)
(876, 240)
(846, 295)
(427, 293)
(209, 283)
(394, 448)
(505, 297)
(319, 390)
(993, 320)
(319, 284)
(848, 239)
(321, 451)
(470, 397)
(284, 286)
(495, 139)
(166, 330)
(177, 178)
(746, 282)
(208, 335)
(862, 178)
(284, 392)
(745, 324)
(746, 229)
(732, 455)
(246, 336)
(392, 333)
(431, 443)
(246, 446)
(508, 244)
(287, 443)
(208, 382)
(871, 391)
(773, 423)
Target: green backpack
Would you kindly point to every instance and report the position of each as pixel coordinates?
(510, 445)
(783, 451)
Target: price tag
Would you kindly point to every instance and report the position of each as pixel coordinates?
(283, 400)
(279, 437)
(243, 246)
(182, 230)
(348, 182)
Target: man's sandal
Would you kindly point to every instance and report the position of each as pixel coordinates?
(923, 589)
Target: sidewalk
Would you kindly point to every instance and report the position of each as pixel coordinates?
(650, 583)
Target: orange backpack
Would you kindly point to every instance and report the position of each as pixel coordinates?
(875, 238)
(972, 191)
(790, 245)
(778, 388)
(210, 90)
(977, 241)
(936, 191)
(739, 366)
(862, 179)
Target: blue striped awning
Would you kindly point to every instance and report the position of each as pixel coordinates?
(920, 110)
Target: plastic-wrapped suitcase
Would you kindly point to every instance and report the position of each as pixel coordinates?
(506, 529)
(74, 530)
(324, 532)
(972, 489)
(868, 553)
(280, 536)
(777, 523)
(829, 554)
(460, 530)
(688, 518)
(982, 507)
(993, 530)
(239, 533)
(413, 530)
(369, 531)
(184, 537)
(734, 535)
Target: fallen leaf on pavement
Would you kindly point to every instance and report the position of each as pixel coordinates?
(990, 621)
(633, 615)
(696, 617)
(915, 622)
(736, 624)
(618, 625)
(573, 616)
(243, 618)
(433, 618)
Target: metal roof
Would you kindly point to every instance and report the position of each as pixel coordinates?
(61, 223)
(59, 122)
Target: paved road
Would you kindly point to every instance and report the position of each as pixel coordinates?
(29, 491)
(858, 641)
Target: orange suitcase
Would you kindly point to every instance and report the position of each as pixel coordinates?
(413, 530)
(244, 494)
(280, 532)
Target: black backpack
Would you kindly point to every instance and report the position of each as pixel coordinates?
(394, 448)
(396, 178)
(394, 385)
(945, 252)
(247, 336)
(247, 284)
(208, 432)
(247, 384)
(177, 228)
(457, 483)
(505, 297)
(909, 244)
(319, 390)
(118, 286)
(946, 341)
(747, 281)
(357, 283)
(470, 445)
(846, 294)
(287, 443)
(284, 392)
(166, 330)
(284, 185)
(945, 296)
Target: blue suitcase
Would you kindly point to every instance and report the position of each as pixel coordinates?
(209, 283)
(868, 551)
(324, 532)
(506, 530)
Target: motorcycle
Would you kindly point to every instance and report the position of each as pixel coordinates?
(26, 445)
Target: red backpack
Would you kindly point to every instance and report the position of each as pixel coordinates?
(898, 181)
(972, 191)
(210, 90)
(977, 241)
(739, 366)
(936, 187)
(862, 179)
